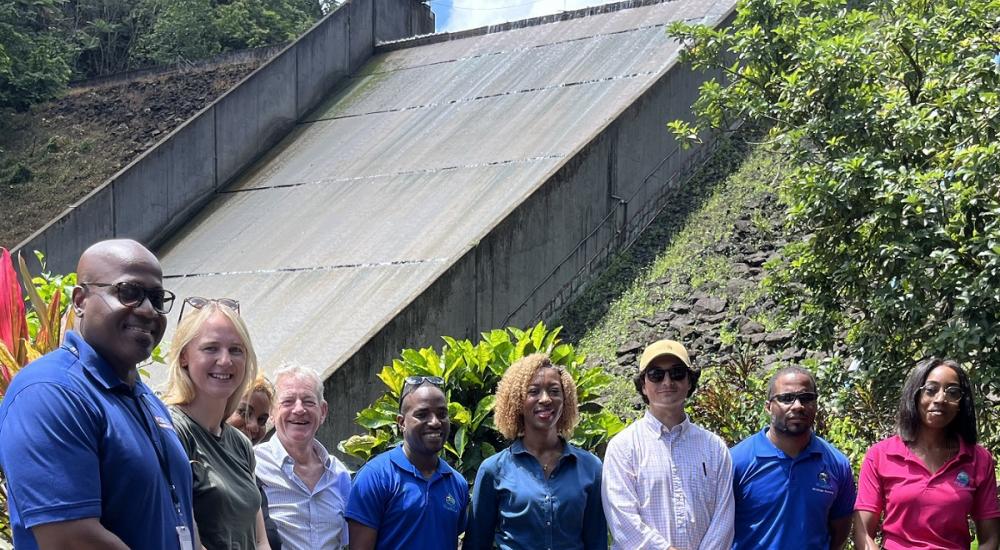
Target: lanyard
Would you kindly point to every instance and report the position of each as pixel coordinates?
(149, 428)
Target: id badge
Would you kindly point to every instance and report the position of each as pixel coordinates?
(184, 537)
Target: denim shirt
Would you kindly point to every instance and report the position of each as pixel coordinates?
(515, 506)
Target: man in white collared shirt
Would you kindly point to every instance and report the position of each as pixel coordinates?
(668, 483)
(306, 487)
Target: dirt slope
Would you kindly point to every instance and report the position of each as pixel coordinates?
(61, 150)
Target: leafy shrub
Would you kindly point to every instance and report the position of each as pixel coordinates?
(471, 373)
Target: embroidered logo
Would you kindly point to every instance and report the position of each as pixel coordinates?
(450, 503)
(962, 479)
(824, 478)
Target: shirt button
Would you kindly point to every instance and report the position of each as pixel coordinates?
(548, 523)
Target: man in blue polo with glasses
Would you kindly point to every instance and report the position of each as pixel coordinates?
(410, 497)
(792, 488)
(90, 455)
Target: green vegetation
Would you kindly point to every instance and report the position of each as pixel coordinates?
(44, 43)
(890, 112)
(471, 373)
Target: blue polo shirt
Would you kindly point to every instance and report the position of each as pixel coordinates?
(391, 496)
(515, 506)
(79, 443)
(784, 502)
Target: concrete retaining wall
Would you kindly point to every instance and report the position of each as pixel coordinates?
(544, 251)
(158, 192)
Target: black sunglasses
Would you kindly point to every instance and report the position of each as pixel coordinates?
(198, 302)
(413, 382)
(133, 295)
(805, 397)
(676, 374)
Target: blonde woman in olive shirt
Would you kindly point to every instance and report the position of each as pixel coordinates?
(212, 363)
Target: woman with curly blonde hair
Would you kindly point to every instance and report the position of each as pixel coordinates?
(541, 491)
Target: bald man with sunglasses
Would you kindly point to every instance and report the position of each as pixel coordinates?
(793, 489)
(667, 482)
(89, 452)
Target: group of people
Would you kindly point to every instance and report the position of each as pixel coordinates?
(94, 459)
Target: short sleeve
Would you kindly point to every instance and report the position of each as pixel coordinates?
(870, 491)
(846, 494)
(985, 504)
(50, 454)
(367, 502)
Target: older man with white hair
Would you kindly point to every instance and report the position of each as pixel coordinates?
(306, 487)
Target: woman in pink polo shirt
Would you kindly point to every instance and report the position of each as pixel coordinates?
(927, 481)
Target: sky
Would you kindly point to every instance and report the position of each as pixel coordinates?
(456, 15)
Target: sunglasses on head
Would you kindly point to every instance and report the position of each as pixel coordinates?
(198, 302)
(133, 295)
(413, 382)
(805, 397)
(676, 374)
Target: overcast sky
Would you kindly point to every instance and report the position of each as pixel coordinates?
(456, 15)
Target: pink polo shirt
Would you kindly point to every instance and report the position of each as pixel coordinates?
(924, 510)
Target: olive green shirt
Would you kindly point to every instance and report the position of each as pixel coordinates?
(226, 498)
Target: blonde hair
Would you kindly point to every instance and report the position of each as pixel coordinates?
(508, 416)
(179, 389)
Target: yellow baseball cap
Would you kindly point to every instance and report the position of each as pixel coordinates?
(664, 347)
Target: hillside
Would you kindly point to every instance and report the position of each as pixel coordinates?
(61, 150)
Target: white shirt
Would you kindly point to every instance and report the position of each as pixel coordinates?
(306, 519)
(668, 487)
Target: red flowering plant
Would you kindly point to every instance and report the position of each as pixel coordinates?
(28, 333)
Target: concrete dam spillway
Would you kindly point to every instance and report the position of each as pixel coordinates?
(451, 184)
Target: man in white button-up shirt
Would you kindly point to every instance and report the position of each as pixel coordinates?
(668, 483)
(307, 489)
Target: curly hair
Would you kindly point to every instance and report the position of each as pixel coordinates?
(263, 385)
(513, 388)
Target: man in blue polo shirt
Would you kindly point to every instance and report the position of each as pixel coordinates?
(90, 454)
(409, 497)
(792, 488)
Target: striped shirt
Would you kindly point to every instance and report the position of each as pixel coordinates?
(306, 519)
(668, 487)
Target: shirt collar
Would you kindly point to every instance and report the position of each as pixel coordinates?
(517, 447)
(281, 456)
(398, 457)
(899, 448)
(763, 446)
(95, 365)
(657, 428)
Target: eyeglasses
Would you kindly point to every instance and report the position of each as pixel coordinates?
(805, 397)
(198, 302)
(676, 374)
(133, 295)
(952, 394)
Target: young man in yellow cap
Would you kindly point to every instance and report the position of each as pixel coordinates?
(668, 483)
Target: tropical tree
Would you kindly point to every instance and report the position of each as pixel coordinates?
(891, 110)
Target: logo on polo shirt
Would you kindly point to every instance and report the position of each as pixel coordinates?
(450, 503)
(823, 484)
(962, 479)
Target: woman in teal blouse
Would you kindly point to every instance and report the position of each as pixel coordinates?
(541, 492)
